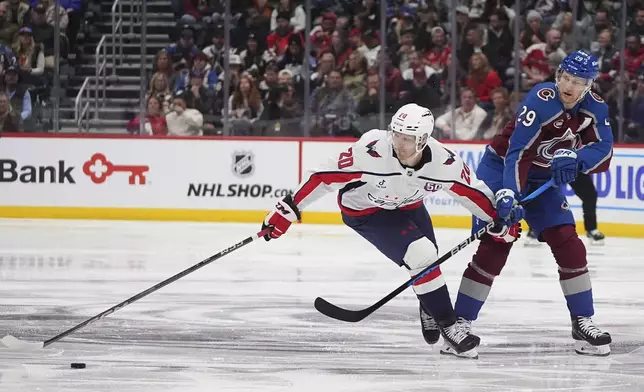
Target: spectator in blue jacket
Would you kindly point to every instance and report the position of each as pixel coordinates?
(184, 51)
(7, 59)
(200, 65)
(18, 93)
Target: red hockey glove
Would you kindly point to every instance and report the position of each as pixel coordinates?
(280, 219)
(504, 233)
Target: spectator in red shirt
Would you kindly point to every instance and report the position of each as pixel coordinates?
(277, 41)
(633, 56)
(482, 79)
(321, 34)
(437, 56)
(155, 123)
(541, 58)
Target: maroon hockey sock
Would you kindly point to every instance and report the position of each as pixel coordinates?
(568, 249)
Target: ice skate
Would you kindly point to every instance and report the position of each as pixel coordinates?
(428, 325)
(458, 342)
(531, 239)
(589, 339)
(466, 325)
(595, 237)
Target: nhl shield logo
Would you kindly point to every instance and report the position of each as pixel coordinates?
(243, 163)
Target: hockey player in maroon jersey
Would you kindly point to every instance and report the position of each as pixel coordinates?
(381, 182)
(561, 129)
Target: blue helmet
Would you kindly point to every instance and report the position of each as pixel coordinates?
(581, 64)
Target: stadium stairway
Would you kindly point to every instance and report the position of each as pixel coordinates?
(122, 92)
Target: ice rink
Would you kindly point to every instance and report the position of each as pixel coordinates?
(247, 322)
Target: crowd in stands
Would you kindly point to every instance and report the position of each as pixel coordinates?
(267, 60)
(27, 61)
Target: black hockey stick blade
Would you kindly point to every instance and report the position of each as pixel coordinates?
(353, 316)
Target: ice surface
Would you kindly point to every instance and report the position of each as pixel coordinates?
(247, 323)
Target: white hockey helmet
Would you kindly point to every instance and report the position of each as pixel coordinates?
(413, 120)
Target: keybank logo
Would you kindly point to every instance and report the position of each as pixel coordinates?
(98, 168)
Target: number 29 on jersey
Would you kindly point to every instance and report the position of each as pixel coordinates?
(526, 116)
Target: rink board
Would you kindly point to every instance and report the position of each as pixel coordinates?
(232, 180)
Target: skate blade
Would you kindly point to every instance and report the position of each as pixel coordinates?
(584, 348)
(529, 242)
(449, 350)
(596, 242)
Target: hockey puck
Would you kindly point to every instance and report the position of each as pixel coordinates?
(78, 365)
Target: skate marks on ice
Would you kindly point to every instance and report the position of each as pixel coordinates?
(248, 324)
(292, 355)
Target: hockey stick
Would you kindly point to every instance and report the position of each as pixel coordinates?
(15, 343)
(352, 316)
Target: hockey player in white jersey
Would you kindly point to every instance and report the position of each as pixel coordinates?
(381, 181)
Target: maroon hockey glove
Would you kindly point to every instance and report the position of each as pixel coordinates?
(280, 219)
(504, 233)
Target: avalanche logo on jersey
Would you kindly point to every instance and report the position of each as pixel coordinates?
(546, 150)
(569, 139)
(371, 149)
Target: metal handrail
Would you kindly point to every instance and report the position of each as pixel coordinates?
(101, 75)
(82, 106)
(134, 5)
(117, 26)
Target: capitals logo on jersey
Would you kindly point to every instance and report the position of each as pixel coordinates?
(371, 149)
(450, 159)
(395, 201)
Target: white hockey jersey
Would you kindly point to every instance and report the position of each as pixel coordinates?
(369, 177)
